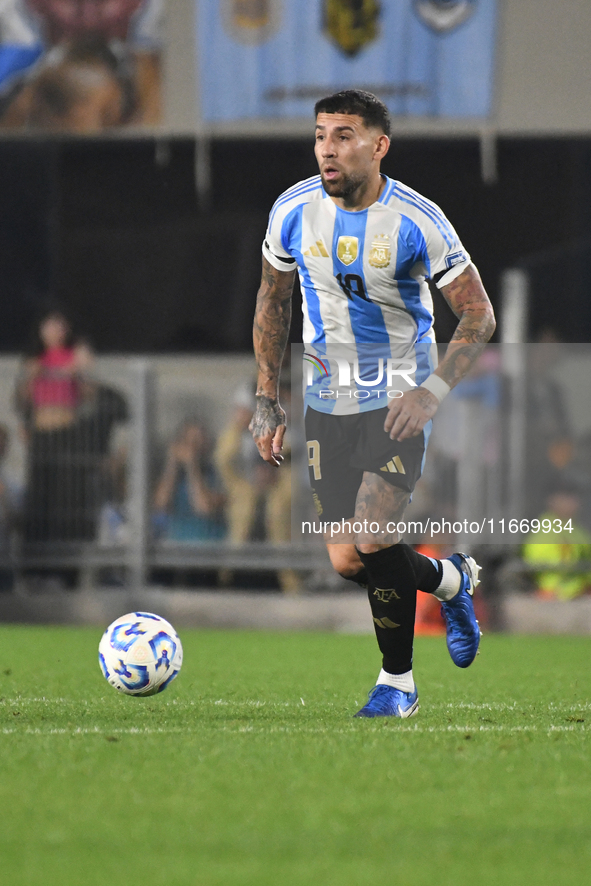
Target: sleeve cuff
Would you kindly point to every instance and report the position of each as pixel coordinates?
(451, 275)
(279, 262)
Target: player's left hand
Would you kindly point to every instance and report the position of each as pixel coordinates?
(408, 415)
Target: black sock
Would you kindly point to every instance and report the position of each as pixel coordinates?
(361, 578)
(392, 595)
(427, 574)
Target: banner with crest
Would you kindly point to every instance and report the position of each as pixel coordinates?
(275, 58)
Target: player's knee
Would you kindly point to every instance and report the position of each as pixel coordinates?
(344, 560)
(370, 548)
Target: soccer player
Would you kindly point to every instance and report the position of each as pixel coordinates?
(364, 246)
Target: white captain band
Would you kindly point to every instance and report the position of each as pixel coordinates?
(437, 386)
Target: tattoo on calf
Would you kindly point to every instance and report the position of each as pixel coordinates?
(379, 502)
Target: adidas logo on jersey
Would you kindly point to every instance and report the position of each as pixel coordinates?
(318, 250)
(395, 466)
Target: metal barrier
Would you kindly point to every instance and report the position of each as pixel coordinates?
(81, 498)
(87, 488)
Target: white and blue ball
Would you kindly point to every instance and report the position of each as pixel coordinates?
(140, 654)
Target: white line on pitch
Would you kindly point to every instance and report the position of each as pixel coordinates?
(259, 703)
(468, 729)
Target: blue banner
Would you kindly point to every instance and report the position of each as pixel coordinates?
(275, 58)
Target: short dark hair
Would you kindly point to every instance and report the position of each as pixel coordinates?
(366, 105)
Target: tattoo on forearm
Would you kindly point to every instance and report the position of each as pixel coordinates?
(271, 322)
(468, 300)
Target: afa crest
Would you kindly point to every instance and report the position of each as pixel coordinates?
(380, 253)
(347, 249)
(352, 24)
(251, 21)
(386, 595)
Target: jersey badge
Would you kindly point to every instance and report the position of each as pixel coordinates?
(380, 253)
(347, 249)
(444, 15)
(352, 24)
(455, 258)
(318, 249)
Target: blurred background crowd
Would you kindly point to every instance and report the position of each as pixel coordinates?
(67, 483)
(75, 429)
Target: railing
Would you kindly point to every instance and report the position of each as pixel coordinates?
(478, 466)
(86, 520)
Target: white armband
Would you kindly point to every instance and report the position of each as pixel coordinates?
(437, 386)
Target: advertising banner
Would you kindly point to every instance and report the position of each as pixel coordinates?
(79, 66)
(275, 58)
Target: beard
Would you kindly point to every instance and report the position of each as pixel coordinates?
(345, 186)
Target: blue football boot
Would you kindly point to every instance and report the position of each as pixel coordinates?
(463, 632)
(385, 701)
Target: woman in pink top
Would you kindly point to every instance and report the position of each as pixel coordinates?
(61, 474)
(53, 385)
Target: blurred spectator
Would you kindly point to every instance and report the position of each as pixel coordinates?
(10, 509)
(103, 442)
(52, 387)
(188, 500)
(237, 460)
(470, 418)
(566, 546)
(53, 382)
(549, 441)
(580, 468)
(253, 486)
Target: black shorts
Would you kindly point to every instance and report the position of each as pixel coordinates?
(342, 447)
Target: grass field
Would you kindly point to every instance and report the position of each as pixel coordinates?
(249, 769)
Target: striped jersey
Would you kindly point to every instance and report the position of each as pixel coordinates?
(363, 277)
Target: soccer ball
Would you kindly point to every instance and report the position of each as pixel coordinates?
(140, 654)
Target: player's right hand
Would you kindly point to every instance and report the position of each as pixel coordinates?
(408, 415)
(268, 427)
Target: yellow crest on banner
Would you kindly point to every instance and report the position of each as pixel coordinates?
(347, 249)
(251, 21)
(380, 253)
(352, 24)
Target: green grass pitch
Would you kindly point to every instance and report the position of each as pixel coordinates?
(250, 771)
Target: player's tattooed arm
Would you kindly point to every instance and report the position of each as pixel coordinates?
(468, 300)
(270, 334)
(408, 415)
